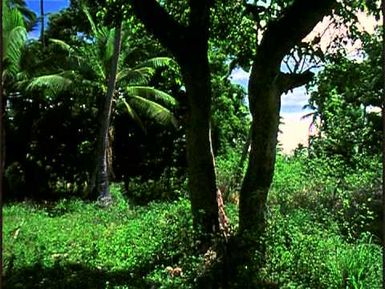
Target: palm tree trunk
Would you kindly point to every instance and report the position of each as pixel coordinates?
(383, 143)
(99, 181)
(2, 103)
(42, 22)
(2, 130)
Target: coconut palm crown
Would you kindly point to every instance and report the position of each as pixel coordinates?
(105, 60)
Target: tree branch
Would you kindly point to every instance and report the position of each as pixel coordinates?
(156, 19)
(297, 21)
(289, 81)
(200, 13)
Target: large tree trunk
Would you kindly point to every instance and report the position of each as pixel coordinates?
(99, 181)
(200, 158)
(189, 45)
(264, 97)
(266, 84)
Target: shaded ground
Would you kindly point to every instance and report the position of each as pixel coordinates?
(73, 276)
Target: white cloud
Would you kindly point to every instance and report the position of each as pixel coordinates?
(239, 76)
(297, 97)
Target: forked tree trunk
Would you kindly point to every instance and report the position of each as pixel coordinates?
(99, 180)
(266, 85)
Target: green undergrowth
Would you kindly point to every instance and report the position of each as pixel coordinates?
(305, 253)
(317, 237)
(73, 244)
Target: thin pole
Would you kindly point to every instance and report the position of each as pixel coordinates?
(42, 22)
(1, 140)
(383, 144)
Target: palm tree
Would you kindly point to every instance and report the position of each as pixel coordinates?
(28, 15)
(13, 37)
(104, 60)
(13, 40)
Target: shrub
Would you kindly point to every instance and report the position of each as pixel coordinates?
(302, 253)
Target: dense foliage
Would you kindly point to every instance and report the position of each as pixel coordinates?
(106, 91)
(346, 97)
(317, 237)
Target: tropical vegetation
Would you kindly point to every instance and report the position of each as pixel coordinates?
(130, 159)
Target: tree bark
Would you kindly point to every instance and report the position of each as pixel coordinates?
(99, 180)
(200, 158)
(189, 45)
(266, 84)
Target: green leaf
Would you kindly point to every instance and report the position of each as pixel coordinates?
(151, 93)
(133, 115)
(54, 83)
(153, 110)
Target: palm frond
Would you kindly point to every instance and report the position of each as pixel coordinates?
(157, 62)
(94, 28)
(28, 15)
(152, 110)
(133, 115)
(11, 18)
(135, 76)
(53, 83)
(63, 45)
(15, 41)
(151, 93)
(109, 45)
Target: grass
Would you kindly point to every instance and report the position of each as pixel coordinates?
(75, 244)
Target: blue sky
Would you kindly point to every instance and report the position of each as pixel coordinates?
(292, 102)
(50, 6)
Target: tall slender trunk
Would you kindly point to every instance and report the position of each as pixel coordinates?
(2, 135)
(42, 23)
(383, 143)
(200, 158)
(2, 98)
(99, 180)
